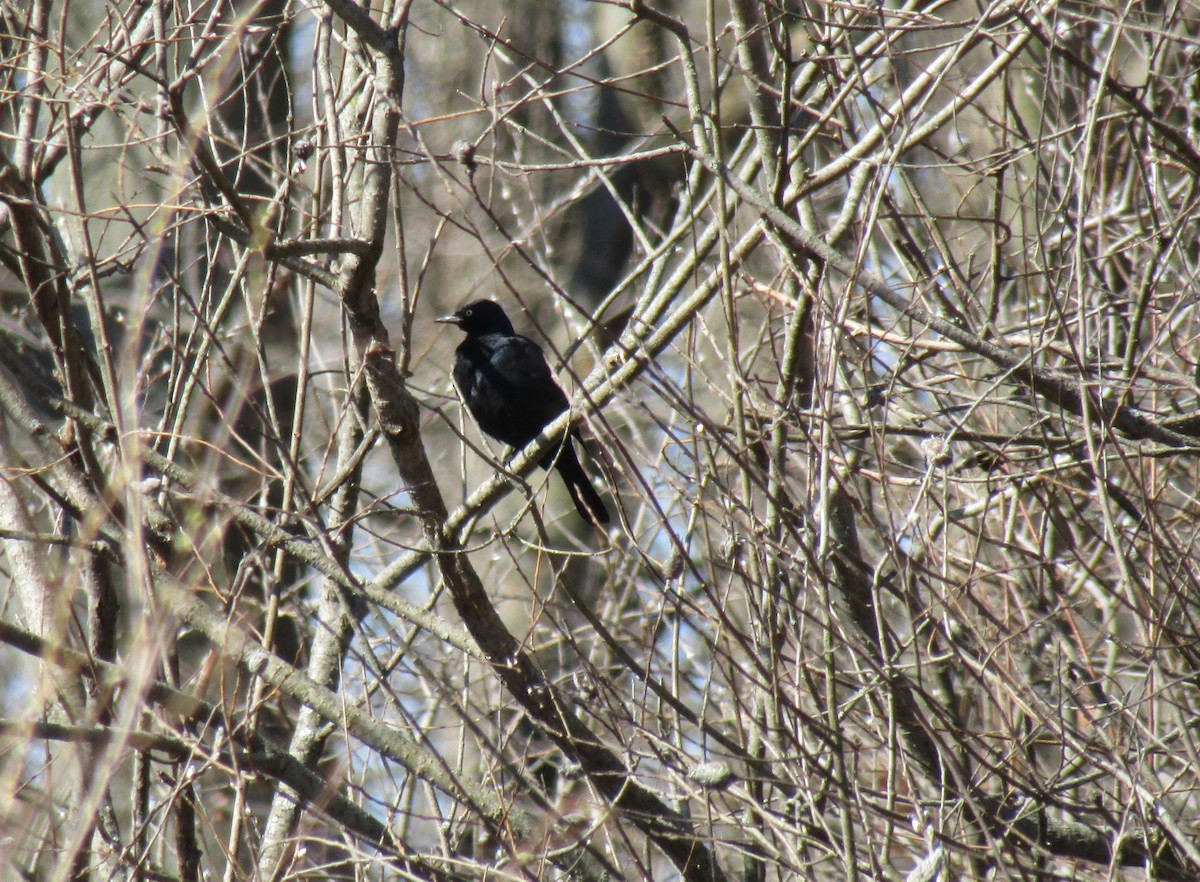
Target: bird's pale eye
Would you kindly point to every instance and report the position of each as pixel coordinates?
(466, 313)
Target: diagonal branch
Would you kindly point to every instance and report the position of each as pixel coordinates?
(1058, 388)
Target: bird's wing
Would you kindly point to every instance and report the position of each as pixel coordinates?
(508, 387)
(522, 362)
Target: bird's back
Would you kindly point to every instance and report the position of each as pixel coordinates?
(507, 385)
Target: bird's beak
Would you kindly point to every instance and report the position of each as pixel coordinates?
(448, 319)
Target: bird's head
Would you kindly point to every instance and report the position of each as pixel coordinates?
(480, 317)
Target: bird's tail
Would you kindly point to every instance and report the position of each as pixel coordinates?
(587, 501)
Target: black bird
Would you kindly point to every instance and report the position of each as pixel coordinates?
(507, 386)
